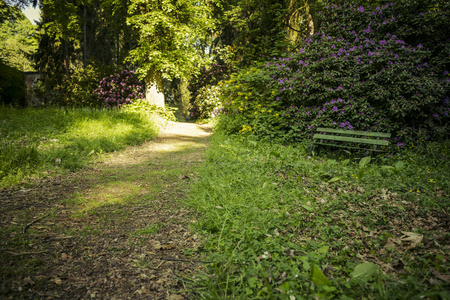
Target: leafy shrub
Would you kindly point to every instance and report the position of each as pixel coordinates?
(143, 107)
(119, 89)
(206, 77)
(78, 89)
(208, 102)
(356, 73)
(12, 86)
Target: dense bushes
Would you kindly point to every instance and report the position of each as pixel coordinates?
(119, 89)
(94, 87)
(200, 88)
(12, 86)
(364, 70)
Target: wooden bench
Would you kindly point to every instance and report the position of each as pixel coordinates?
(350, 139)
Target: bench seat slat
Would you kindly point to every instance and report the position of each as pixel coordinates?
(349, 139)
(354, 132)
(347, 147)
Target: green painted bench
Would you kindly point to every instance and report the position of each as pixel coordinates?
(350, 139)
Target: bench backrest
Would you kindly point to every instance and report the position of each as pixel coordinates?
(352, 136)
(354, 132)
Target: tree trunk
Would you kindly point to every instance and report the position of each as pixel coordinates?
(66, 58)
(154, 89)
(84, 38)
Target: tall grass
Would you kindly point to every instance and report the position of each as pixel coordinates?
(280, 225)
(34, 142)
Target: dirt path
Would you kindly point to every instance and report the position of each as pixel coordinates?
(113, 231)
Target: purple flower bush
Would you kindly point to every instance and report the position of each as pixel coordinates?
(119, 89)
(365, 70)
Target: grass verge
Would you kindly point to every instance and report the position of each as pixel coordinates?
(39, 142)
(280, 225)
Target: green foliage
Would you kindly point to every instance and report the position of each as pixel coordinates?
(18, 43)
(36, 142)
(168, 33)
(199, 82)
(207, 103)
(249, 31)
(9, 12)
(248, 100)
(78, 90)
(12, 86)
(276, 227)
(357, 73)
(91, 35)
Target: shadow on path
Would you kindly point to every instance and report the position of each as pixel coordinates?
(115, 230)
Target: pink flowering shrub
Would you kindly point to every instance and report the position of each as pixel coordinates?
(381, 69)
(119, 89)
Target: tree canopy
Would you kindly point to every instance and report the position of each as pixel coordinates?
(18, 42)
(169, 35)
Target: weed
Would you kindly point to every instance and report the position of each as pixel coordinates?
(149, 229)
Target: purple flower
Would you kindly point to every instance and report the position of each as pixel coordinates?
(435, 115)
(307, 112)
(350, 127)
(399, 144)
(342, 125)
(419, 46)
(361, 9)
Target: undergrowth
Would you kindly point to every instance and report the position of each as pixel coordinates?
(41, 142)
(281, 225)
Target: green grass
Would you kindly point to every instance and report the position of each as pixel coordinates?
(39, 142)
(280, 225)
(149, 229)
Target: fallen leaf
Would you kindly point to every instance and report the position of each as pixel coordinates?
(364, 271)
(176, 297)
(413, 238)
(28, 280)
(443, 277)
(64, 256)
(391, 244)
(156, 245)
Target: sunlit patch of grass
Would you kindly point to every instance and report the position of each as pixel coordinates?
(110, 194)
(39, 142)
